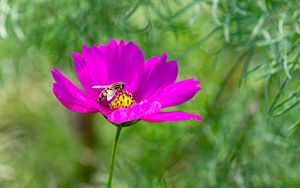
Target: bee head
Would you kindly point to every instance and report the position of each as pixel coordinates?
(122, 85)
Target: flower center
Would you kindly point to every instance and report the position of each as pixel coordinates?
(122, 100)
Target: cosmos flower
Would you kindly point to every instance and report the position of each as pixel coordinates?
(149, 86)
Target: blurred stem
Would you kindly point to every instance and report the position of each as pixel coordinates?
(112, 159)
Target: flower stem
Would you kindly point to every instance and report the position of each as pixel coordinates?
(112, 159)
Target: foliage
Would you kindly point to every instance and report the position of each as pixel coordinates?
(245, 52)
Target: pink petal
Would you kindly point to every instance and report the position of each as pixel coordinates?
(86, 71)
(157, 75)
(135, 112)
(177, 93)
(107, 64)
(71, 96)
(171, 117)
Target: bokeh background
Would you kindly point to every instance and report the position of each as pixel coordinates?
(246, 53)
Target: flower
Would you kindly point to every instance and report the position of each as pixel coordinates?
(150, 85)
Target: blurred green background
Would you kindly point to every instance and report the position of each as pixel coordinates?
(246, 53)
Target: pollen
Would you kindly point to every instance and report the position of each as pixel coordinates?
(123, 100)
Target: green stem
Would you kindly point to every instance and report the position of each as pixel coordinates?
(112, 159)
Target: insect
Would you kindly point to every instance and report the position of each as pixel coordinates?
(110, 91)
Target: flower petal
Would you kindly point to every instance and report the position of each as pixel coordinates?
(171, 117)
(107, 64)
(86, 71)
(72, 97)
(177, 93)
(125, 63)
(157, 75)
(135, 112)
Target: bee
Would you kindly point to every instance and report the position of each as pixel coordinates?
(110, 91)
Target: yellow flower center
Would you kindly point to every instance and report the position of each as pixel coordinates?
(122, 100)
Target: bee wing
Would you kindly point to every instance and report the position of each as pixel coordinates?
(110, 94)
(96, 87)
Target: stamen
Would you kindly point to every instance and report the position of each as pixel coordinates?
(123, 100)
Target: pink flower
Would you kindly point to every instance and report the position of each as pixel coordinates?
(150, 85)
